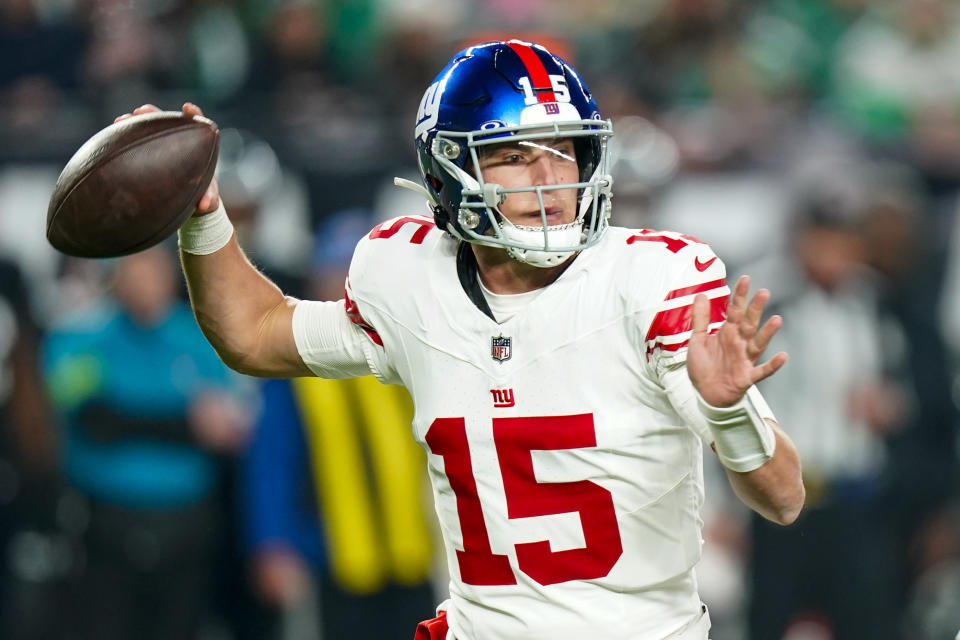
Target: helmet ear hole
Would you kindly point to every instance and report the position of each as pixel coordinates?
(436, 184)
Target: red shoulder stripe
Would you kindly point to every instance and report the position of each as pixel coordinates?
(697, 288)
(353, 312)
(674, 321)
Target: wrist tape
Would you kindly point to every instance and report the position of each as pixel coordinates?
(743, 439)
(203, 235)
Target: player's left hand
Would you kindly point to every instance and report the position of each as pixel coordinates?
(722, 366)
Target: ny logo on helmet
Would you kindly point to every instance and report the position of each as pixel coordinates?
(429, 110)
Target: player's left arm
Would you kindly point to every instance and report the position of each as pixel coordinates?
(774, 489)
(759, 458)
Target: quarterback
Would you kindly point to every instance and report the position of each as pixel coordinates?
(565, 373)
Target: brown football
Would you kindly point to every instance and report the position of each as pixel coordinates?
(132, 184)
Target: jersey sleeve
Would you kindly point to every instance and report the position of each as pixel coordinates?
(333, 344)
(382, 290)
(358, 335)
(694, 270)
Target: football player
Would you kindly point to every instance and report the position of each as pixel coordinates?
(564, 372)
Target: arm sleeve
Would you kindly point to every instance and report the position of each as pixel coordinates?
(331, 345)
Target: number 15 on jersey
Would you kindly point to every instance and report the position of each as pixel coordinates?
(515, 439)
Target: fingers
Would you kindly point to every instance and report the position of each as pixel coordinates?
(769, 367)
(743, 320)
(738, 300)
(191, 109)
(210, 199)
(700, 314)
(746, 316)
(146, 108)
(763, 337)
(755, 312)
(188, 108)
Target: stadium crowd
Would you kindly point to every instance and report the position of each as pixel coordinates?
(815, 144)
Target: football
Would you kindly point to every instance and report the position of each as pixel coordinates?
(132, 184)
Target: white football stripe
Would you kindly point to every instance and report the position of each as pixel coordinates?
(680, 337)
(684, 301)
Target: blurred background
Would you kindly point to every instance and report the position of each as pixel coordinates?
(146, 492)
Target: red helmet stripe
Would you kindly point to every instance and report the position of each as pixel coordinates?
(542, 87)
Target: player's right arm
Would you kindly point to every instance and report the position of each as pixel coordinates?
(258, 331)
(243, 314)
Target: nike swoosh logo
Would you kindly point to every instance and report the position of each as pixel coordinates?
(703, 266)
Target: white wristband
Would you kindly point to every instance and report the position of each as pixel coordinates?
(742, 437)
(202, 235)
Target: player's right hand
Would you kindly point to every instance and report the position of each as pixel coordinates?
(210, 199)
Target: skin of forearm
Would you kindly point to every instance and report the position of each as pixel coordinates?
(775, 489)
(242, 313)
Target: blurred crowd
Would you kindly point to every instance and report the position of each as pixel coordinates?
(147, 492)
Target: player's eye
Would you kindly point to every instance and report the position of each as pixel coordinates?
(563, 149)
(505, 156)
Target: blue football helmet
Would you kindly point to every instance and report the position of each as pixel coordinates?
(515, 90)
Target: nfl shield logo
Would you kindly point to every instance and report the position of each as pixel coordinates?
(500, 348)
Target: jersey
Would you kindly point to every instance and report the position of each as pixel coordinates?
(567, 486)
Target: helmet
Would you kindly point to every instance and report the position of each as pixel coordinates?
(498, 91)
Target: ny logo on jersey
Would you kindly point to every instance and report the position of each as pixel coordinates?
(502, 397)
(500, 347)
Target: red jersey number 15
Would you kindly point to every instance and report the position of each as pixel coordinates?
(514, 439)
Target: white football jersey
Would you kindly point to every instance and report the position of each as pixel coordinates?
(567, 486)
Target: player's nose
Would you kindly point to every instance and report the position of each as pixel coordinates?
(546, 170)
